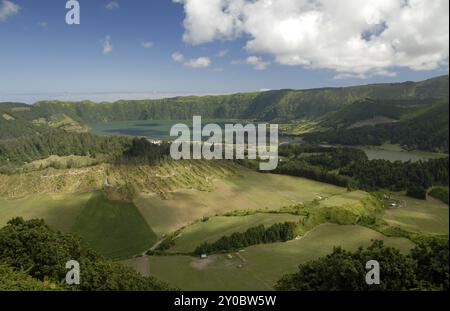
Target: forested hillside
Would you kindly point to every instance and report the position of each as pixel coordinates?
(427, 129)
(281, 105)
(412, 114)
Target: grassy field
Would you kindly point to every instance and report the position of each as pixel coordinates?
(430, 216)
(260, 266)
(217, 227)
(115, 229)
(249, 190)
(393, 153)
(58, 210)
(352, 197)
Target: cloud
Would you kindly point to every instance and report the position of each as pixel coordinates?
(43, 24)
(257, 62)
(147, 44)
(8, 9)
(352, 37)
(113, 5)
(200, 62)
(178, 57)
(107, 45)
(222, 53)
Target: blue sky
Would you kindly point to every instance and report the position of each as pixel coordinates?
(43, 57)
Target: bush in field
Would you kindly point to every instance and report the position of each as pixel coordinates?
(417, 192)
(440, 193)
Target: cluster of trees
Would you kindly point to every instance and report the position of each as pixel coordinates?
(428, 131)
(398, 176)
(32, 255)
(61, 143)
(301, 168)
(318, 162)
(280, 232)
(331, 158)
(143, 151)
(350, 167)
(440, 193)
(56, 142)
(425, 268)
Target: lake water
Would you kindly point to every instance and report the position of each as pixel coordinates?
(154, 129)
(160, 130)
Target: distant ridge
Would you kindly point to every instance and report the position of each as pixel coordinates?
(279, 105)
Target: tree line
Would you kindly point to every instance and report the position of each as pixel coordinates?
(397, 176)
(280, 232)
(350, 167)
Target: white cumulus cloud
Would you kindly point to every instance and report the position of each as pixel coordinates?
(107, 45)
(356, 38)
(8, 9)
(200, 62)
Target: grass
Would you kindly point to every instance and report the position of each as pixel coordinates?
(58, 210)
(301, 126)
(393, 152)
(115, 229)
(429, 216)
(260, 266)
(217, 227)
(249, 190)
(352, 197)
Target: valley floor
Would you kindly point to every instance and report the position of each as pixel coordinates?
(189, 201)
(258, 267)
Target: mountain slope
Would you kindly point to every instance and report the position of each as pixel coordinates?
(425, 129)
(270, 106)
(356, 114)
